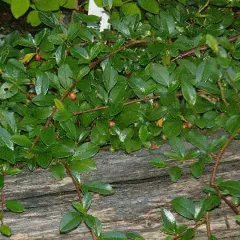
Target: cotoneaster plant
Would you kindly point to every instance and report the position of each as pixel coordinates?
(170, 75)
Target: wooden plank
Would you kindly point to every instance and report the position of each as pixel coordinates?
(141, 191)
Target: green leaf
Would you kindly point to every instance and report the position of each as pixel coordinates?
(110, 77)
(63, 148)
(199, 210)
(160, 74)
(211, 202)
(64, 75)
(33, 18)
(184, 207)
(83, 166)
(9, 119)
(5, 137)
(121, 27)
(113, 236)
(158, 162)
(48, 18)
(237, 218)
(14, 206)
(19, 7)
(198, 140)
(42, 83)
(212, 238)
(175, 173)
(1, 181)
(212, 43)
(85, 151)
(79, 52)
(47, 5)
(87, 200)
(94, 223)
(177, 145)
(62, 115)
(233, 124)
(134, 236)
(70, 221)
(197, 169)
(47, 136)
(172, 127)
(57, 171)
(132, 145)
(7, 154)
(21, 140)
(130, 8)
(168, 220)
(189, 92)
(99, 187)
(151, 6)
(5, 230)
(141, 87)
(8, 90)
(233, 187)
(79, 207)
(44, 159)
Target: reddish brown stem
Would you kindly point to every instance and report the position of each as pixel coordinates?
(2, 204)
(208, 226)
(218, 160)
(196, 226)
(228, 202)
(124, 104)
(214, 174)
(200, 48)
(68, 171)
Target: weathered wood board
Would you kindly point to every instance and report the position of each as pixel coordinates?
(141, 191)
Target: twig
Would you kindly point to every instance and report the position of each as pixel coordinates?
(229, 203)
(200, 48)
(79, 193)
(129, 44)
(2, 204)
(204, 7)
(222, 92)
(214, 173)
(208, 226)
(124, 104)
(196, 226)
(218, 160)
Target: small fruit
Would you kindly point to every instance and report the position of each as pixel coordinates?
(159, 123)
(112, 124)
(73, 96)
(187, 125)
(156, 105)
(67, 53)
(38, 57)
(154, 146)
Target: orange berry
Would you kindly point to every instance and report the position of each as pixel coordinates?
(187, 125)
(73, 96)
(38, 57)
(112, 124)
(156, 104)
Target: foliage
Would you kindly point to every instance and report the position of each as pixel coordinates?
(32, 8)
(69, 90)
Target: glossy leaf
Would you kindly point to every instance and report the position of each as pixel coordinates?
(184, 207)
(14, 206)
(70, 221)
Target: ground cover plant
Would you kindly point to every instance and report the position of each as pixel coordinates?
(166, 71)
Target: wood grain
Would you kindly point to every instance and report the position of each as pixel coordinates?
(141, 191)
